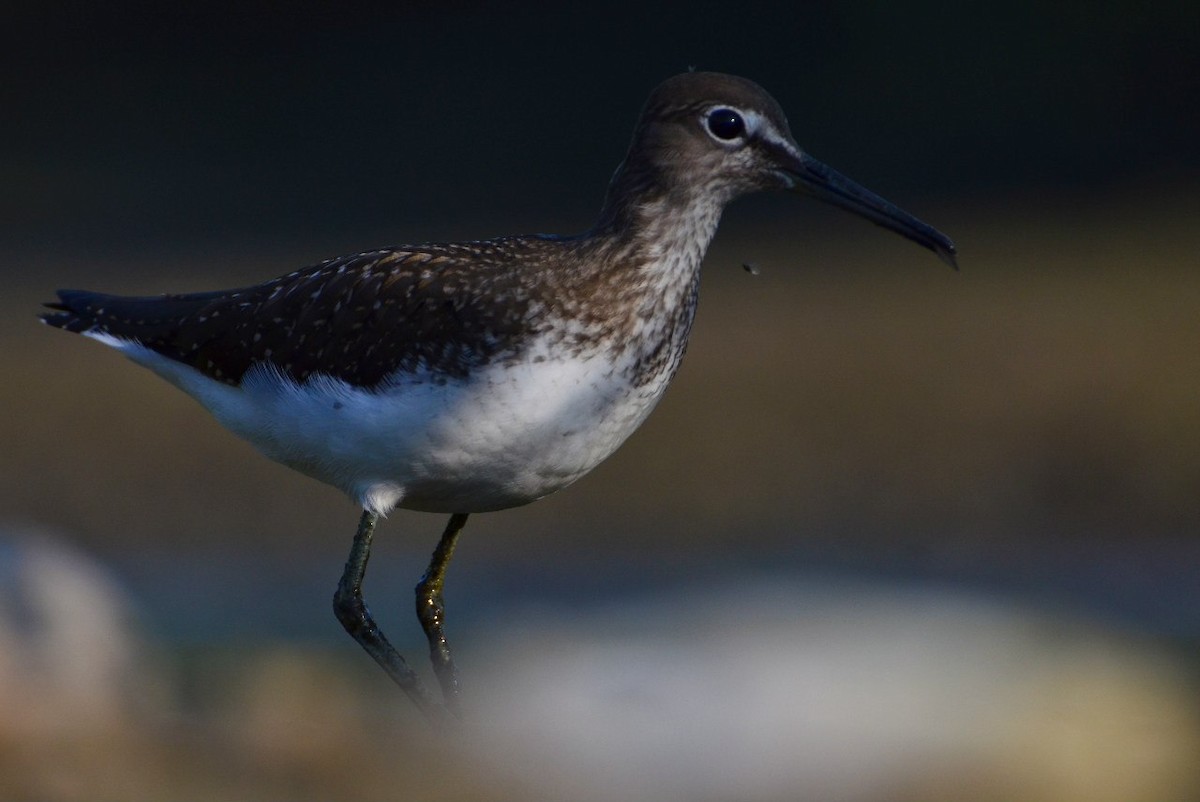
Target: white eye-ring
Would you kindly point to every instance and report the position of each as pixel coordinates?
(726, 124)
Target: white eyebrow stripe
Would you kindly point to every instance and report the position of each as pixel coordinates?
(755, 122)
(766, 130)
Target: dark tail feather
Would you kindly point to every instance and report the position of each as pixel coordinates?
(132, 317)
(73, 310)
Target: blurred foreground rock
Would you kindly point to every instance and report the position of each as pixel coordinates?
(837, 692)
(810, 690)
(90, 712)
(77, 684)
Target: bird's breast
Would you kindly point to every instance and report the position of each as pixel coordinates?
(520, 430)
(513, 431)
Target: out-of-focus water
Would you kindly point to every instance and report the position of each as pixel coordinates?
(1146, 586)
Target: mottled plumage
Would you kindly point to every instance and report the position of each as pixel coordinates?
(442, 308)
(476, 376)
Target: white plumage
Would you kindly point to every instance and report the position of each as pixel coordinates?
(505, 436)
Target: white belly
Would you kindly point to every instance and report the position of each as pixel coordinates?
(504, 437)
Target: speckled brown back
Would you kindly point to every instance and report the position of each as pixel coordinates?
(445, 308)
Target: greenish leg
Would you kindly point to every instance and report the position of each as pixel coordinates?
(352, 612)
(432, 613)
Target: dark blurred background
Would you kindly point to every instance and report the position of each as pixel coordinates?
(1025, 431)
(252, 122)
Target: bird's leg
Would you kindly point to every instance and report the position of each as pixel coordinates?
(351, 610)
(431, 611)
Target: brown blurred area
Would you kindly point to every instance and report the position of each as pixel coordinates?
(939, 530)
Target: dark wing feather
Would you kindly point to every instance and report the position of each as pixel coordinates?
(446, 308)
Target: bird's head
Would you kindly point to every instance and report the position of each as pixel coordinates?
(724, 136)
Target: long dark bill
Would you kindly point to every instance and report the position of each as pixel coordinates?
(824, 183)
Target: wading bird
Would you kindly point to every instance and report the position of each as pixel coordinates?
(476, 376)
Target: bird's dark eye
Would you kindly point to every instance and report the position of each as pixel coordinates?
(726, 124)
